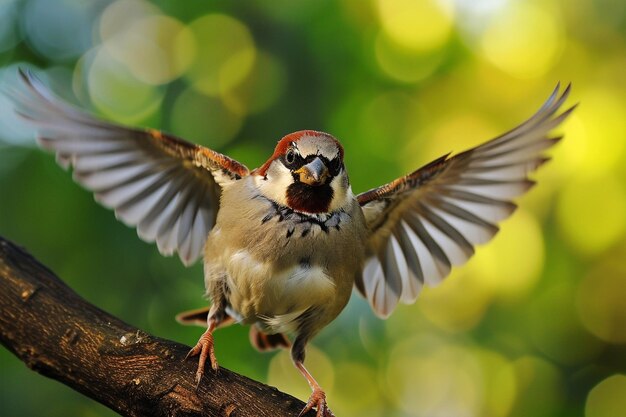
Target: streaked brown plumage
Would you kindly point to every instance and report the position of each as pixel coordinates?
(285, 244)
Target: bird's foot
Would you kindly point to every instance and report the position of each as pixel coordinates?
(205, 348)
(317, 400)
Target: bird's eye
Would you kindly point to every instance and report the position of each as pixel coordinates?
(290, 157)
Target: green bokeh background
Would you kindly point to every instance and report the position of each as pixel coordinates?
(534, 325)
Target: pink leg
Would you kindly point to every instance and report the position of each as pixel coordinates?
(205, 348)
(318, 396)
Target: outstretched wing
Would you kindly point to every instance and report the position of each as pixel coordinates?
(168, 188)
(422, 224)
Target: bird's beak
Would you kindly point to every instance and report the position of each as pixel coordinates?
(314, 173)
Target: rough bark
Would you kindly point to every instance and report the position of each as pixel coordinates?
(60, 335)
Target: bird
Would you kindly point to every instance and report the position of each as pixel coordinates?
(284, 245)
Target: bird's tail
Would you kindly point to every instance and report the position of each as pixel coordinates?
(264, 342)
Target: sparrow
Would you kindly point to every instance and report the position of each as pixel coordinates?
(285, 244)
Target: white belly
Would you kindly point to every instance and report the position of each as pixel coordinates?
(276, 298)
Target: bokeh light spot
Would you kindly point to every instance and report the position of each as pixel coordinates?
(563, 337)
(9, 31)
(523, 40)
(457, 304)
(594, 143)
(225, 54)
(600, 301)
(116, 92)
(590, 213)
(358, 392)
(427, 377)
(474, 15)
(455, 133)
(540, 392)
(403, 64)
(156, 49)
(608, 398)
(418, 25)
(203, 119)
(119, 17)
(262, 88)
(512, 263)
(61, 32)
(385, 119)
(499, 384)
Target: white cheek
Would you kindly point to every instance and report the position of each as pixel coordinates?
(341, 195)
(274, 186)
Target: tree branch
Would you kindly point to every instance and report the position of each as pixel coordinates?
(60, 335)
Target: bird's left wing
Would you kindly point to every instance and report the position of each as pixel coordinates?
(425, 222)
(168, 188)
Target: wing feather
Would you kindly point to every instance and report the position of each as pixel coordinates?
(168, 188)
(430, 220)
(413, 281)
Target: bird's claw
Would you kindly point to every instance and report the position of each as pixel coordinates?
(317, 400)
(206, 350)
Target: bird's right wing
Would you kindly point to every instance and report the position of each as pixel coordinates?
(168, 188)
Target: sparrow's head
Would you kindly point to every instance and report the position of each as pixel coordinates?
(306, 173)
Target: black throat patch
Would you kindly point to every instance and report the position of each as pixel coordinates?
(309, 199)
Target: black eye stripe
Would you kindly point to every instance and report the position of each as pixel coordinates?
(293, 160)
(334, 166)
